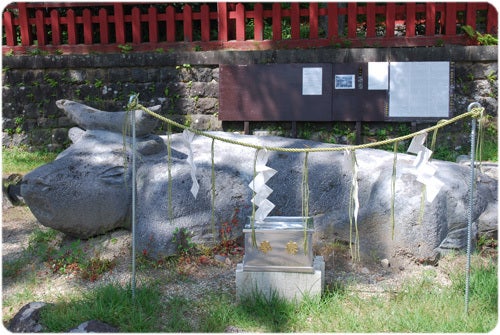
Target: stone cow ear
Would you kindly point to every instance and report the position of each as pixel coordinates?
(113, 175)
(75, 134)
(90, 118)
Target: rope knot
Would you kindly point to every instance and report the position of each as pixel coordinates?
(133, 102)
(477, 112)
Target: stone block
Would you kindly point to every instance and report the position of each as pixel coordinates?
(288, 285)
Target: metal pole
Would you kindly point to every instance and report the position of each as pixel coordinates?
(471, 203)
(134, 147)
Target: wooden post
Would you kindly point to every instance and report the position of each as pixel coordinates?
(430, 18)
(358, 132)
(277, 21)
(450, 19)
(87, 26)
(351, 20)
(24, 26)
(8, 23)
(71, 22)
(390, 19)
(470, 16)
(41, 33)
(294, 129)
(153, 24)
(240, 22)
(492, 20)
(136, 25)
(103, 26)
(222, 21)
(333, 13)
(170, 22)
(313, 20)
(55, 27)
(410, 19)
(370, 19)
(295, 20)
(188, 23)
(119, 23)
(258, 22)
(205, 23)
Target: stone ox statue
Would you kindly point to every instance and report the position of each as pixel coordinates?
(87, 190)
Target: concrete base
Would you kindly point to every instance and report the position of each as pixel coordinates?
(289, 285)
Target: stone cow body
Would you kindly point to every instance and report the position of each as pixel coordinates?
(87, 190)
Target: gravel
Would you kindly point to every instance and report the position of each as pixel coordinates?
(189, 280)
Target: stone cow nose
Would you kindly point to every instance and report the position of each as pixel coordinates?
(40, 182)
(34, 185)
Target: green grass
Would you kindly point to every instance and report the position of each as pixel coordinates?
(490, 150)
(20, 160)
(421, 305)
(112, 304)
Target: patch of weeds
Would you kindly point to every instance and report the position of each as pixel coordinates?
(95, 267)
(98, 83)
(51, 81)
(14, 267)
(143, 262)
(125, 48)
(42, 243)
(182, 239)
(228, 244)
(67, 259)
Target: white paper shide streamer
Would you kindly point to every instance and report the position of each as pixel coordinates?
(423, 169)
(187, 138)
(258, 185)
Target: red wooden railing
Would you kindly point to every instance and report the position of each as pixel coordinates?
(111, 27)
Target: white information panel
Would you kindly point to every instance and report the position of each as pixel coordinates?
(378, 75)
(419, 89)
(312, 81)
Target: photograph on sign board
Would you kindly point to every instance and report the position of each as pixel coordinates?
(344, 81)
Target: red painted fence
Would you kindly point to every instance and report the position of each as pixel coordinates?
(110, 27)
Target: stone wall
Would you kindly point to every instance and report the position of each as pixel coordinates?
(186, 84)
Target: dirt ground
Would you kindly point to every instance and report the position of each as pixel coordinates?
(37, 282)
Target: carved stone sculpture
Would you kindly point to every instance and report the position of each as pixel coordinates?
(87, 190)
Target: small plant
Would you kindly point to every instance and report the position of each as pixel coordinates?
(36, 52)
(125, 48)
(42, 242)
(478, 38)
(51, 82)
(98, 83)
(183, 66)
(95, 267)
(66, 260)
(182, 239)
(228, 244)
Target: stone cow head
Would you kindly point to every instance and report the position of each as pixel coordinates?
(86, 190)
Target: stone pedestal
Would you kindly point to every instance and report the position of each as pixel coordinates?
(289, 285)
